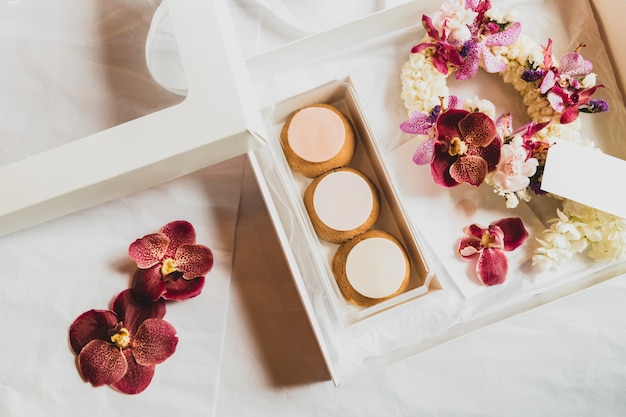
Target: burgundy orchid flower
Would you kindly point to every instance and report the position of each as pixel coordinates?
(171, 265)
(490, 243)
(466, 148)
(424, 124)
(121, 347)
(445, 53)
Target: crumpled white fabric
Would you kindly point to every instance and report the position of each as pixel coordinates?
(71, 69)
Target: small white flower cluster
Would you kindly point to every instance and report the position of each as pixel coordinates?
(500, 17)
(455, 19)
(422, 83)
(579, 228)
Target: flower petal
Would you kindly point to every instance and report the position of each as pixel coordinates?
(91, 325)
(514, 232)
(448, 124)
(193, 260)
(148, 283)
(420, 47)
(137, 377)
(574, 65)
(425, 151)
(182, 289)
(469, 246)
(506, 37)
(454, 102)
(154, 342)
(101, 363)
(492, 266)
(569, 115)
(440, 167)
(504, 125)
(133, 311)
(475, 230)
(490, 61)
(477, 129)
(469, 67)
(440, 63)
(469, 169)
(549, 81)
(427, 22)
(418, 124)
(490, 153)
(149, 250)
(180, 232)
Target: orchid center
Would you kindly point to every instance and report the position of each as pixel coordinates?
(457, 147)
(169, 265)
(489, 240)
(121, 338)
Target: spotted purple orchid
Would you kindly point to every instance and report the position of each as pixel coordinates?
(424, 124)
(564, 84)
(465, 55)
(489, 244)
(478, 49)
(122, 346)
(465, 149)
(171, 265)
(445, 52)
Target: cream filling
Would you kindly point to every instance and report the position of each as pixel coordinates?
(376, 267)
(343, 200)
(316, 134)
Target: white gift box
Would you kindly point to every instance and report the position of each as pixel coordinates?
(355, 348)
(221, 117)
(215, 122)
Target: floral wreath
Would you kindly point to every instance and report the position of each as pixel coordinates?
(463, 141)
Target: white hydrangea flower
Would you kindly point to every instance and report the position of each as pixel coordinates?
(590, 80)
(480, 105)
(454, 18)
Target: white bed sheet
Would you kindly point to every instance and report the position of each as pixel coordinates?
(70, 69)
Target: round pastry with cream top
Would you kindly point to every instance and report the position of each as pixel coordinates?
(370, 268)
(341, 204)
(316, 139)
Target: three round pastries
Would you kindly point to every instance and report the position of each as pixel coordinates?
(343, 204)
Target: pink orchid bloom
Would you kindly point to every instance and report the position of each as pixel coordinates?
(568, 102)
(571, 67)
(489, 244)
(122, 346)
(466, 148)
(480, 6)
(479, 49)
(171, 265)
(444, 53)
(562, 85)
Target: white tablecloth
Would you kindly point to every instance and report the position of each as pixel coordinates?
(246, 347)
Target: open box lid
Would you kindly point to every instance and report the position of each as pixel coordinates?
(216, 121)
(610, 15)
